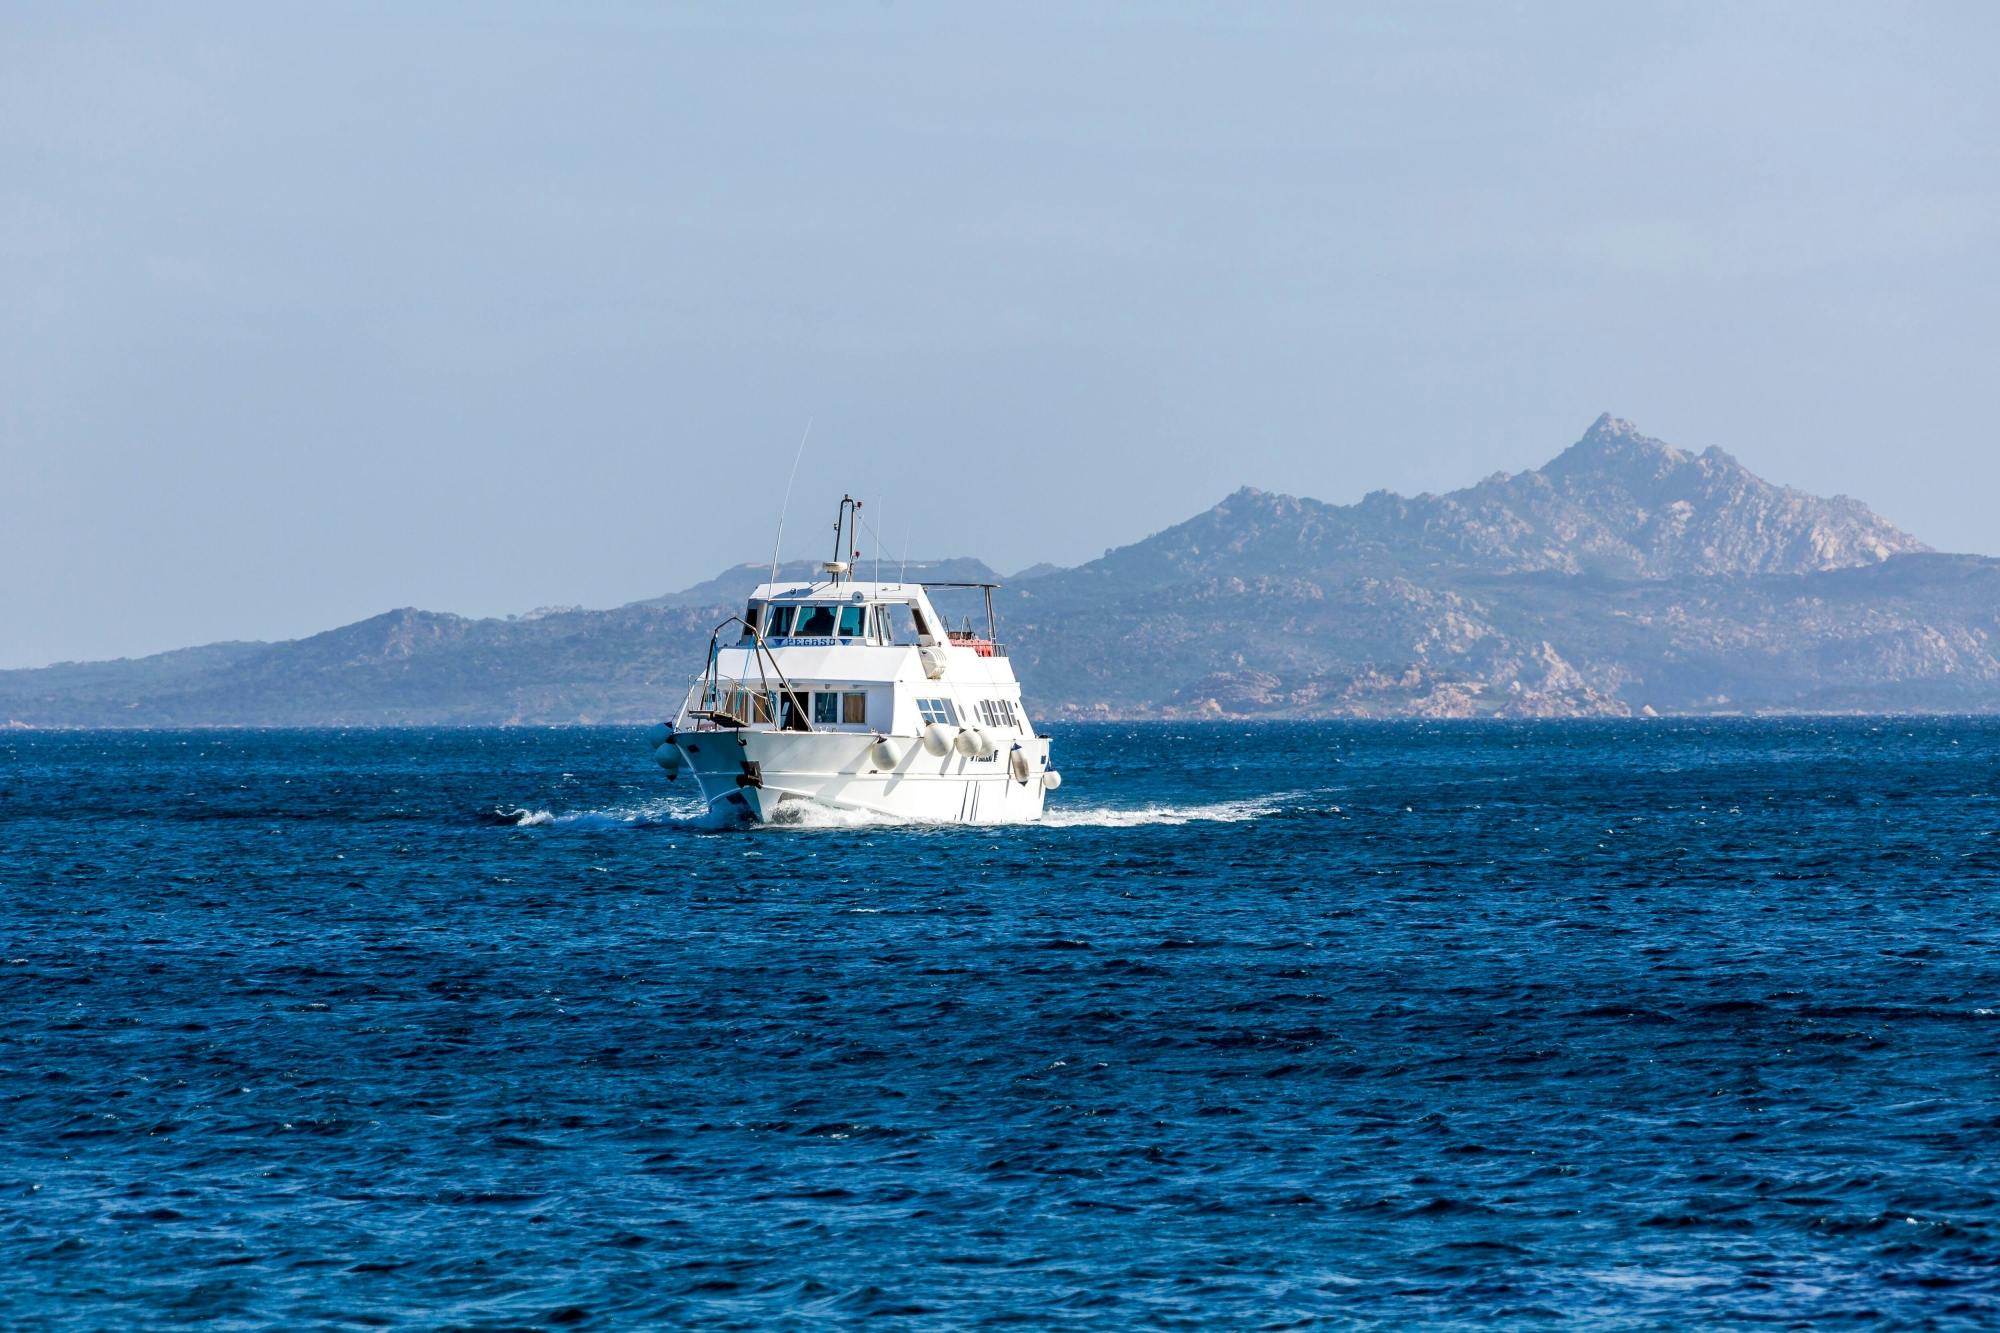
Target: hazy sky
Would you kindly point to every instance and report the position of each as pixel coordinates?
(307, 312)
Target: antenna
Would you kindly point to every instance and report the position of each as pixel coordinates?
(874, 531)
(903, 574)
(788, 498)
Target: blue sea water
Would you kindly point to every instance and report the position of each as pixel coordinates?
(1620, 1025)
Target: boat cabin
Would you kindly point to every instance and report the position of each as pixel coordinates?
(839, 654)
(814, 621)
(868, 657)
(820, 615)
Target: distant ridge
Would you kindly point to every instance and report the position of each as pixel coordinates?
(737, 582)
(1624, 576)
(1615, 503)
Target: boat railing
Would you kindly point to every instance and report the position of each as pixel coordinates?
(720, 705)
(985, 647)
(987, 644)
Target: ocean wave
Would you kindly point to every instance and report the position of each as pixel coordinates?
(655, 814)
(1213, 812)
(691, 815)
(486, 981)
(800, 815)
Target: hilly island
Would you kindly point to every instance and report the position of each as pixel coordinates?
(1625, 577)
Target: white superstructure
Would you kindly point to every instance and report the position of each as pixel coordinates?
(856, 696)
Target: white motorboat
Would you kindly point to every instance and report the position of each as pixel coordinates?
(856, 696)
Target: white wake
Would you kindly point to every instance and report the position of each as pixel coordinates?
(691, 814)
(642, 814)
(1139, 816)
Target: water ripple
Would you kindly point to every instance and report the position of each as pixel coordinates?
(1675, 1025)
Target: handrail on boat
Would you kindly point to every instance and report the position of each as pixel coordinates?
(711, 680)
(985, 647)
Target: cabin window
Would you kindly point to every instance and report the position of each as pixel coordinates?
(794, 711)
(747, 705)
(851, 618)
(937, 710)
(750, 620)
(780, 623)
(854, 709)
(923, 624)
(814, 622)
(998, 713)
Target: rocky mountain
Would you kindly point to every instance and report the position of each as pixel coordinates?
(1624, 576)
(1615, 504)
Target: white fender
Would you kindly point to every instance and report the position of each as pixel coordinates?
(669, 758)
(1018, 764)
(1051, 779)
(886, 753)
(656, 735)
(938, 739)
(968, 742)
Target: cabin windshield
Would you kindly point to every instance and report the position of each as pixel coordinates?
(814, 622)
(848, 620)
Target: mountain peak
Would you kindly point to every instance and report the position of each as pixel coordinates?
(1659, 511)
(1617, 502)
(1616, 442)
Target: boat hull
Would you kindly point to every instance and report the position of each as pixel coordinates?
(758, 776)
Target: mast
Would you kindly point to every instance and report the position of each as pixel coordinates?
(849, 512)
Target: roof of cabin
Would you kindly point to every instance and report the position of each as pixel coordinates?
(850, 590)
